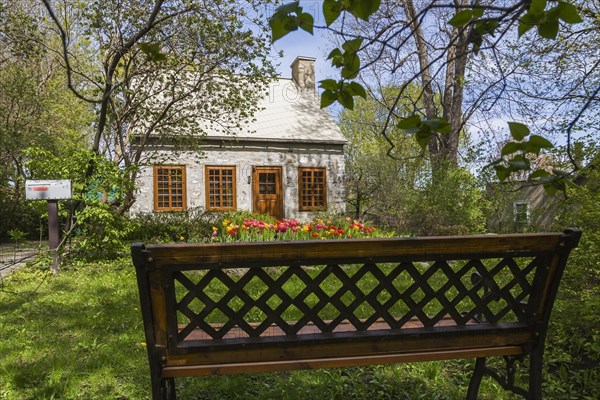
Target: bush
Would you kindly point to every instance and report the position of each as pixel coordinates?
(448, 203)
(574, 346)
(16, 213)
(582, 276)
(192, 225)
(102, 233)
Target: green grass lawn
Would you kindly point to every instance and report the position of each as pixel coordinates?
(79, 335)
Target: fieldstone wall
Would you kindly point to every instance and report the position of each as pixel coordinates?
(244, 156)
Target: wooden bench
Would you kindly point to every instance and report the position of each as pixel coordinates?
(226, 308)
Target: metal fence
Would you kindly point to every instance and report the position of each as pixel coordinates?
(15, 254)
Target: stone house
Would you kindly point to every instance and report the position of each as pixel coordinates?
(288, 162)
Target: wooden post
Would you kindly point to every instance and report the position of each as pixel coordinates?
(53, 232)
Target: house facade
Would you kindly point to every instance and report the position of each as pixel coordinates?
(288, 162)
(520, 207)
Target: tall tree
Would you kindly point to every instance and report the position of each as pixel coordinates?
(35, 110)
(155, 68)
(400, 191)
(434, 44)
(371, 192)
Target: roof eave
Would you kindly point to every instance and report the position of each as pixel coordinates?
(273, 140)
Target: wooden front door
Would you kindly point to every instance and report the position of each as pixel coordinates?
(267, 191)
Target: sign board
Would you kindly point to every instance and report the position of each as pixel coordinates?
(48, 190)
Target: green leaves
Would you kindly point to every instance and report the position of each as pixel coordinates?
(537, 6)
(152, 51)
(289, 17)
(461, 18)
(351, 63)
(352, 46)
(549, 29)
(527, 22)
(547, 22)
(502, 172)
(348, 61)
(480, 27)
(517, 130)
(519, 162)
(363, 9)
(423, 129)
(340, 91)
(343, 92)
(516, 157)
(510, 148)
(568, 13)
(356, 89)
(332, 10)
(540, 142)
(409, 122)
(306, 22)
(558, 183)
(328, 97)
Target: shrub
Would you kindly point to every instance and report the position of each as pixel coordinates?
(18, 214)
(192, 225)
(101, 233)
(448, 203)
(574, 344)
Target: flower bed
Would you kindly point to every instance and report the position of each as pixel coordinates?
(257, 230)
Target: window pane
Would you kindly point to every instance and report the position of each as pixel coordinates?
(221, 187)
(521, 212)
(267, 183)
(169, 187)
(312, 188)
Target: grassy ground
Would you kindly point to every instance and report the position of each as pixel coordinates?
(79, 335)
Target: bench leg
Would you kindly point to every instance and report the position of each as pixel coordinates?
(475, 381)
(168, 389)
(535, 373)
(163, 388)
(534, 391)
(156, 389)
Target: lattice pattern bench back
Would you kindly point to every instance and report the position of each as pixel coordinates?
(243, 293)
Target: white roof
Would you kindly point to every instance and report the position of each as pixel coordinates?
(289, 114)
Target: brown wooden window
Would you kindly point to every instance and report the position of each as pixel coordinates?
(220, 188)
(169, 188)
(313, 189)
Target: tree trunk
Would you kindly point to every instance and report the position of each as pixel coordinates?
(456, 63)
(443, 149)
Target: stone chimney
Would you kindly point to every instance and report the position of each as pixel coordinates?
(303, 74)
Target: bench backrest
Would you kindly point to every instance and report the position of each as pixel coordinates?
(221, 296)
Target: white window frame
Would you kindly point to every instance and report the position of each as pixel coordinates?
(516, 212)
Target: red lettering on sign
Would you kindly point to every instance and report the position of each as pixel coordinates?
(40, 189)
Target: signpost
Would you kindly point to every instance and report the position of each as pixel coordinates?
(52, 191)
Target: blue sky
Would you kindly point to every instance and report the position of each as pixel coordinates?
(301, 43)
